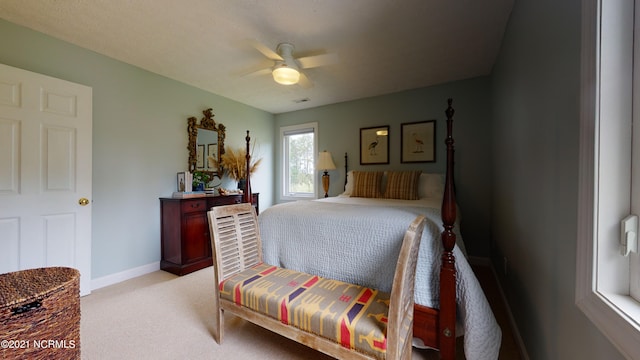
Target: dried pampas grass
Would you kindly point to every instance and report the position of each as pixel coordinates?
(234, 163)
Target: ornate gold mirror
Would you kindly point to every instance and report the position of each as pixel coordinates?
(206, 144)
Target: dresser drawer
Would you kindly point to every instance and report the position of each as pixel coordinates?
(194, 205)
(226, 200)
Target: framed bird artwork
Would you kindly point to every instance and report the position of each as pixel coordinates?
(418, 142)
(374, 145)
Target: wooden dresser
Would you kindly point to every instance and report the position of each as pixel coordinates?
(184, 231)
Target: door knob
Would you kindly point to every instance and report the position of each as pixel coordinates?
(83, 201)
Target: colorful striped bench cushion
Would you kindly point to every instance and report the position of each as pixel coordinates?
(351, 315)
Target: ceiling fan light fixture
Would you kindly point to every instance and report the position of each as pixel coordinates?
(285, 75)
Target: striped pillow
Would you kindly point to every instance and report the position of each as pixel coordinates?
(366, 184)
(403, 185)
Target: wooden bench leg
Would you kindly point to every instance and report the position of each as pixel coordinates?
(218, 322)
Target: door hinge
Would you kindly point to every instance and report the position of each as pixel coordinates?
(629, 235)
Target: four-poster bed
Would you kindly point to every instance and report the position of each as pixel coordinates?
(303, 236)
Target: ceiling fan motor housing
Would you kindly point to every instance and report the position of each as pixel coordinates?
(286, 71)
(285, 50)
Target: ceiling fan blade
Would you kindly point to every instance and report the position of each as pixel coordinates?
(257, 72)
(304, 81)
(263, 67)
(317, 60)
(265, 50)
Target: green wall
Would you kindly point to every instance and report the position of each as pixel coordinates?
(536, 106)
(139, 141)
(339, 132)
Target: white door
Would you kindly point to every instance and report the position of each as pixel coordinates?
(45, 173)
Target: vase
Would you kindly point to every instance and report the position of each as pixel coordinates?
(242, 183)
(198, 187)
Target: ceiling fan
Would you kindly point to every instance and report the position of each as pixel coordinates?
(286, 68)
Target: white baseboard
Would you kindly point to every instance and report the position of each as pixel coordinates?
(124, 275)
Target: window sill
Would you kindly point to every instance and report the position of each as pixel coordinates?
(613, 315)
(298, 197)
(627, 308)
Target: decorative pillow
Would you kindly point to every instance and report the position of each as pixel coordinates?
(366, 184)
(402, 185)
(431, 186)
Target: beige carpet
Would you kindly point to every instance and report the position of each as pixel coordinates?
(162, 316)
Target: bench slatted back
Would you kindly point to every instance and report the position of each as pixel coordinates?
(400, 330)
(235, 239)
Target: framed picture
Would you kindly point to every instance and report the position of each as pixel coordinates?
(374, 145)
(200, 157)
(212, 151)
(418, 142)
(181, 182)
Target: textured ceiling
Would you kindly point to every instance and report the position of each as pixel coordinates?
(383, 46)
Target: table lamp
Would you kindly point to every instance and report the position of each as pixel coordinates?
(325, 163)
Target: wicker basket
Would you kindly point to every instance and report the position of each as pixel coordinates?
(40, 314)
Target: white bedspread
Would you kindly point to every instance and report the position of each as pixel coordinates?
(358, 240)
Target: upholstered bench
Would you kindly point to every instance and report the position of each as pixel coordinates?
(343, 320)
(353, 316)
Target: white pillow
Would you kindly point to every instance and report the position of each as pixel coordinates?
(431, 186)
(348, 189)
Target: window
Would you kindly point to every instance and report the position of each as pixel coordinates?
(634, 257)
(602, 274)
(299, 149)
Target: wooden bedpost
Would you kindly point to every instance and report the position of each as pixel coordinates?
(346, 169)
(447, 323)
(247, 186)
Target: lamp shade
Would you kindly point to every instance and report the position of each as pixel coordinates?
(325, 162)
(285, 75)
